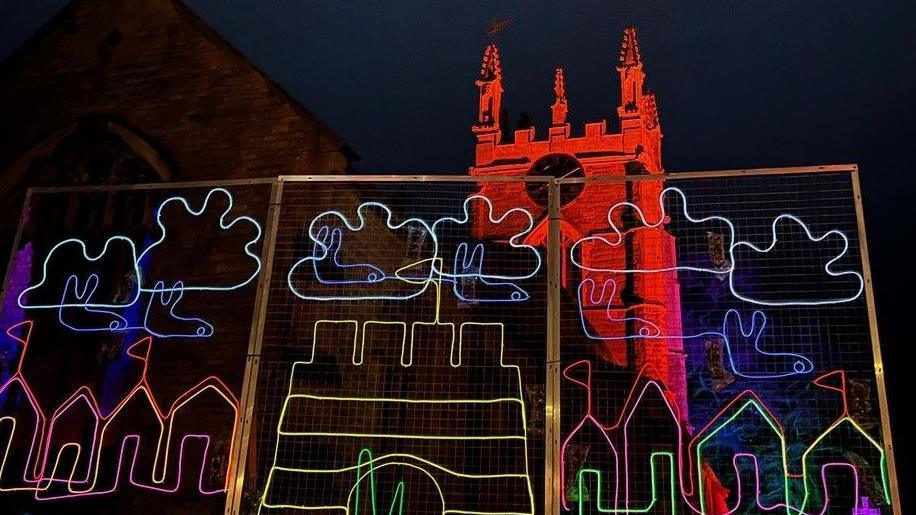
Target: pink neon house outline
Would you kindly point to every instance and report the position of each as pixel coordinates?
(44, 473)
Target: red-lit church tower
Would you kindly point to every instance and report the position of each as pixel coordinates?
(635, 150)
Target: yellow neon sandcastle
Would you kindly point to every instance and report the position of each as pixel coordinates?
(364, 440)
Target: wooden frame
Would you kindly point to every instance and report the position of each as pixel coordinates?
(552, 493)
(876, 345)
(246, 404)
(235, 492)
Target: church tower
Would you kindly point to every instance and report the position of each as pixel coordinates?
(595, 152)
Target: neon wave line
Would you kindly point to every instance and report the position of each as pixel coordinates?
(732, 318)
(369, 274)
(505, 291)
(81, 295)
(45, 468)
(733, 245)
(168, 298)
(514, 240)
(327, 243)
(430, 468)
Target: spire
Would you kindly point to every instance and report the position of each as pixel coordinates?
(629, 50)
(631, 76)
(490, 83)
(559, 108)
(638, 109)
(490, 68)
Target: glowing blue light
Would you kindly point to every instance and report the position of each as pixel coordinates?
(327, 243)
(79, 293)
(731, 325)
(733, 244)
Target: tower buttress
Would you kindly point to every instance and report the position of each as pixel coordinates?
(559, 108)
(490, 83)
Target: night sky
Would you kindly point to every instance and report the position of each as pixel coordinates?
(750, 83)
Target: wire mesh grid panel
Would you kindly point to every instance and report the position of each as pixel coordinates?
(127, 314)
(716, 349)
(402, 363)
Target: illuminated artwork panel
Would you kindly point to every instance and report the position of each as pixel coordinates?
(716, 352)
(402, 364)
(714, 349)
(126, 318)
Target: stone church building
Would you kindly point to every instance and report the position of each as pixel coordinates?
(124, 91)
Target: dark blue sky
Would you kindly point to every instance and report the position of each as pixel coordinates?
(746, 83)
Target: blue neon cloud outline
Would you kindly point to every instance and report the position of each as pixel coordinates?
(87, 257)
(646, 223)
(159, 291)
(356, 227)
(733, 244)
(222, 224)
(827, 266)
